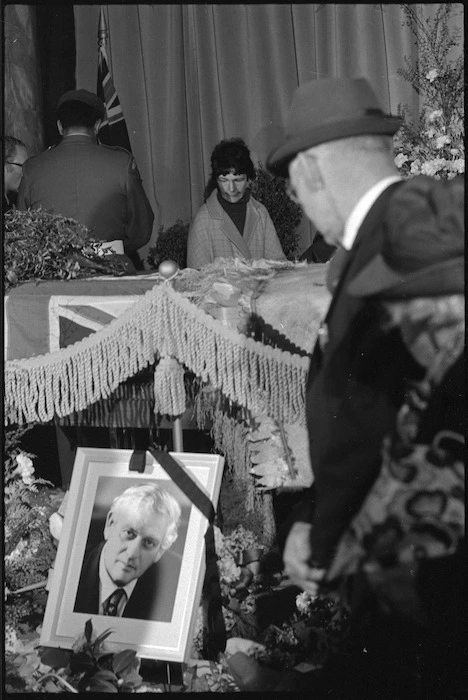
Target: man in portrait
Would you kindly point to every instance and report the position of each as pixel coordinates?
(121, 576)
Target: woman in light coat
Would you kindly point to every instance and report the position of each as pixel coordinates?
(231, 223)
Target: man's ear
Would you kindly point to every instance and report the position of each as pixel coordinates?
(60, 127)
(97, 126)
(108, 525)
(310, 170)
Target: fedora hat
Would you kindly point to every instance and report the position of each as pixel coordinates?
(328, 109)
(423, 254)
(88, 98)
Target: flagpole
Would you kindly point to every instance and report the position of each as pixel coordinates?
(102, 30)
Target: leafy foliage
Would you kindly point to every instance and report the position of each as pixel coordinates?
(29, 548)
(92, 668)
(171, 244)
(313, 634)
(286, 215)
(41, 245)
(434, 143)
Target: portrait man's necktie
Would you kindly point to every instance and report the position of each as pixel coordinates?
(111, 604)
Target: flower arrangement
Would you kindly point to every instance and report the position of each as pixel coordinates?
(238, 555)
(41, 245)
(311, 635)
(434, 144)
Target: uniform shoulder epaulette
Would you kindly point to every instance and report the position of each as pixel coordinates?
(115, 148)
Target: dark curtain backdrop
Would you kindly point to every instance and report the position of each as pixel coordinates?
(189, 75)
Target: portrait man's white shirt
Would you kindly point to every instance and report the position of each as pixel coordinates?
(107, 587)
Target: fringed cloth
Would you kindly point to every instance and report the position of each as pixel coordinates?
(162, 325)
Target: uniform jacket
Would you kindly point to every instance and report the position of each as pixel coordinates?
(354, 388)
(152, 598)
(213, 234)
(97, 185)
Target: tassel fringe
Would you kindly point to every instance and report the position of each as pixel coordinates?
(162, 324)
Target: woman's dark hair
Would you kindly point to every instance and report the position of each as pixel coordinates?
(230, 155)
(76, 113)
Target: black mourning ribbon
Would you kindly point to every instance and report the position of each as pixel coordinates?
(216, 641)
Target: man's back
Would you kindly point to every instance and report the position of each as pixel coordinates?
(97, 185)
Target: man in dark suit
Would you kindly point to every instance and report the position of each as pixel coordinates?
(121, 575)
(338, 156)
(97, 185)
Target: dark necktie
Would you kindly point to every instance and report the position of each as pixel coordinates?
(335, 269)
(111, 604)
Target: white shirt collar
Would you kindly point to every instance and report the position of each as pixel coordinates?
(107, 587)
(361, 209)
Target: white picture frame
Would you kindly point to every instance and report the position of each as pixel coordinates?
(98, 476)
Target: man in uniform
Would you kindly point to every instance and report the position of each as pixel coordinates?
(98, 186)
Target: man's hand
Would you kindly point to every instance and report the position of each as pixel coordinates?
(296, 557)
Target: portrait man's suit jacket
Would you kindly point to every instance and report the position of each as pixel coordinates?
(354, 388)
(151, 599)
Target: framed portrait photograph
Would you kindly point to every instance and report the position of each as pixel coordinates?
(131, 556)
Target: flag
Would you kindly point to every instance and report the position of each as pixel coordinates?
(113, 131)
(45, 317)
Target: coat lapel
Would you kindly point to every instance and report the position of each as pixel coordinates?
(367, 244)
(227, 226)
(251, 221)
(231, 231)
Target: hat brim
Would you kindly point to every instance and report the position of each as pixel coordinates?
(377, 278)
(281, 156)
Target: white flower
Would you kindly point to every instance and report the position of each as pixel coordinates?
(459, 165)
(400, 159)
(436, 114)
(25, 468)
(430, 132)
(432, 75)
(431, 167)
(228, 571)
(303, 602)
(442, 141)
(11, 640)
(415, 167)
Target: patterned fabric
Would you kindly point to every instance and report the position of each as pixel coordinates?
(415, 509)
(111, 605)
(213, 235)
